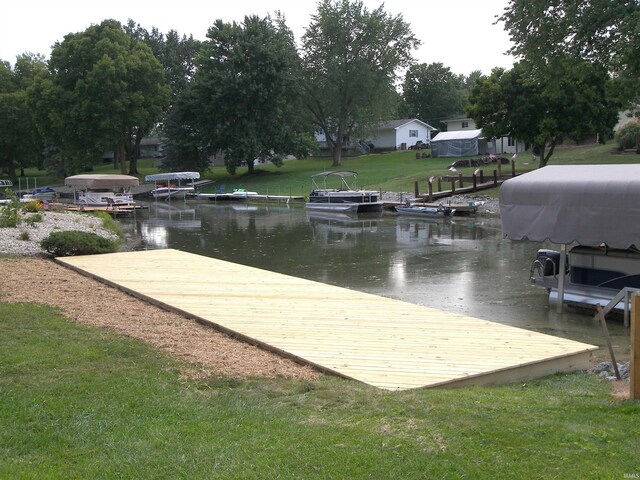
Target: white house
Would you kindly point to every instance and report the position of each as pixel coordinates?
(400, 134)
(498, 145)
(390, 135)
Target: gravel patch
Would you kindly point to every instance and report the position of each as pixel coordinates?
(26, 237)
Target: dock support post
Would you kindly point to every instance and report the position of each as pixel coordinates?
(439, 184)
(475, 182)
(513, 168)
(499, 168)
(634, 380)
(453, 187)
(561, 274)
(495, 178)
(416, 190)
(460, 180)
(481, 176)
(430, 187)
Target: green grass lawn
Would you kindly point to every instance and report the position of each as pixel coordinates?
(393, 171)
(80, 402)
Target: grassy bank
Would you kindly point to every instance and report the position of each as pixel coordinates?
(393, 171)
(77, 402)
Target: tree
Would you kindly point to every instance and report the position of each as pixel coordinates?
(103, 92)
(177, 54)
(350, 59)
(571, 100)
(20, 143)
(245, 97)
(603, 32)
(432, 93)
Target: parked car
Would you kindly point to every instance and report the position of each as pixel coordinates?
(420, 145)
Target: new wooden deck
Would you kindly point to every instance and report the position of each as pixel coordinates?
(379, 341)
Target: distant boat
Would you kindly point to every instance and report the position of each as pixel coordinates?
(344, 197)
(40, 193)
(171, 186)
(427, 212)
(99, 189)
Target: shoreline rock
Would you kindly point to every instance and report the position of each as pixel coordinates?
(24, 240)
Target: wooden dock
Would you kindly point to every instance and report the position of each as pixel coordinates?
(376, 340)
(117, 211)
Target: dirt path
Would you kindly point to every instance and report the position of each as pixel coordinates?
(87, 301)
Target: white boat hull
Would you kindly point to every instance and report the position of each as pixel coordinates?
(102, 199)
(333, 207)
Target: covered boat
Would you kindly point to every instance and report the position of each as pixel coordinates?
(172, 184)
(594, 207)
(102, 189)
(342, 197)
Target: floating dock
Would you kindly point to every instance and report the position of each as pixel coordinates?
(380, 341)
(248, 197)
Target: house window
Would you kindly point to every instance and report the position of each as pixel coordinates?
(511, 142)
(413, 133)
(465, 124)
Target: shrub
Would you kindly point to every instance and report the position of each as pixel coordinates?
(73, 242)
(33, 219)
(33, 206)
(24, 235)
(628, 135)
(9, 217)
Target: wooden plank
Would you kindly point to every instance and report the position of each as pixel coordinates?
(376, 340)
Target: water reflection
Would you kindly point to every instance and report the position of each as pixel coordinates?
(460, 264)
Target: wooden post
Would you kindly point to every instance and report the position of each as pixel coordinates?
(499, 168)
(495, 178)
(475, 182)
(439, 184)
(416, 190)
(460, 181)
(453, 187)
(513, 168)
(481, 176)
(430, 187)
(634, 380)
(605, 331)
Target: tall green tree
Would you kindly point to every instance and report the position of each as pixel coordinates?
(351, 57)
(432, 93)
(604, 32)
(571, 100)
(104, 91)
(245, 97)
(176, 53)
(20, 142)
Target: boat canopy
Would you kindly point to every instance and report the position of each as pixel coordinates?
(97, 180)
(344, 177)
(588, 204)
(168, 176)
(344, 174)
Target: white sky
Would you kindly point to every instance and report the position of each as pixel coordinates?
(457, 33)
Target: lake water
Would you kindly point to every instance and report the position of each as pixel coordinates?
(460, 265)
